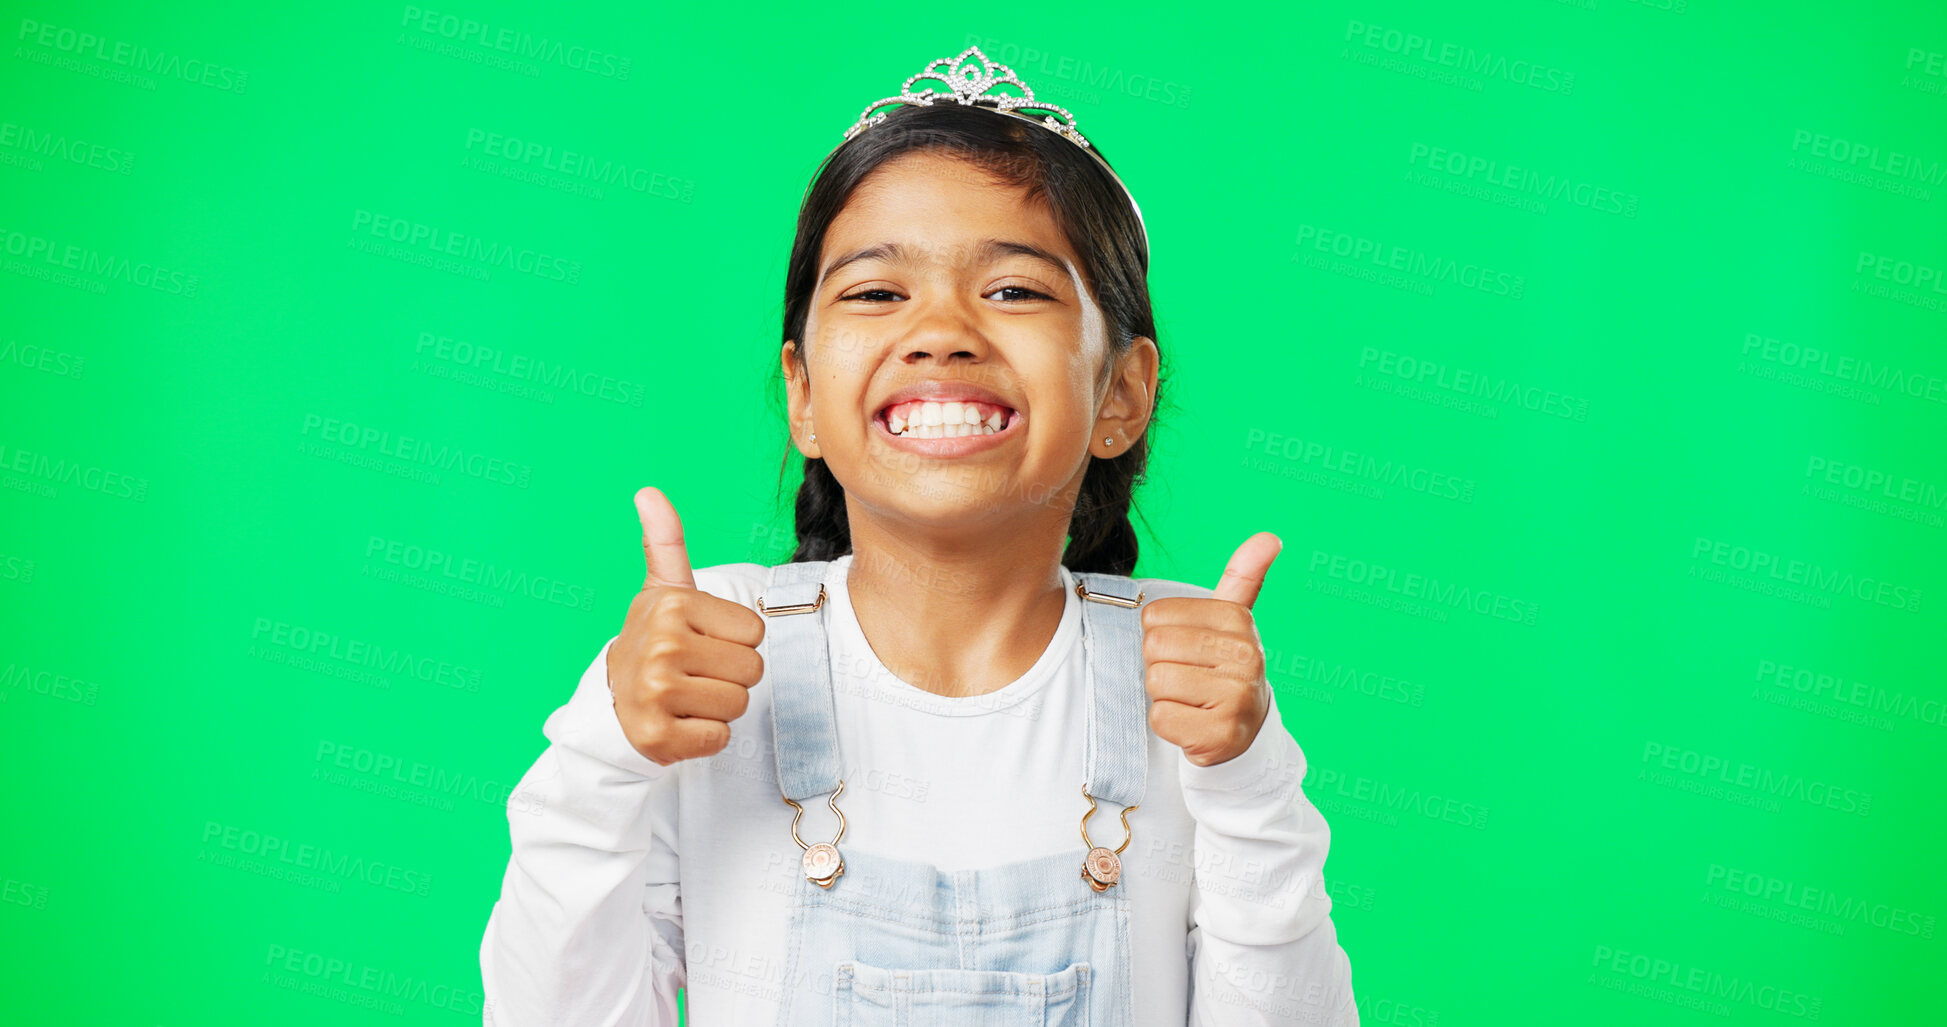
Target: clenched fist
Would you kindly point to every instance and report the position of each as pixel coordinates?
(682, 668)
(1203, 663)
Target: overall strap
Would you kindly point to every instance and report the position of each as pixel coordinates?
(804, 717)
(1115, 757)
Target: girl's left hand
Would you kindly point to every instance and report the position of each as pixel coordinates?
(1203, 663)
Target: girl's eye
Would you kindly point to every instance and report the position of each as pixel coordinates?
(865, 294)
(880, 295)
(1022, 288)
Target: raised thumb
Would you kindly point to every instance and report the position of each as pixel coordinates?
(662, 540)
(1244, 575)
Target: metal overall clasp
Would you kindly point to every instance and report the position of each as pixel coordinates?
(779, 611)
(1102, 867)
(1109, 599)
(822, 861)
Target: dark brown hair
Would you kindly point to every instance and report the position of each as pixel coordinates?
(1094, 214)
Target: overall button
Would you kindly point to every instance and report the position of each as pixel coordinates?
(823, 864)
(1101, 868)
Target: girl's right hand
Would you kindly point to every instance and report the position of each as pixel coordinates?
(682, 668)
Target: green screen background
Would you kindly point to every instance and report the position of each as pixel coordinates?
(1588, 357)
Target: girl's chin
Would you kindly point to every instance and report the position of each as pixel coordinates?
(942, 493)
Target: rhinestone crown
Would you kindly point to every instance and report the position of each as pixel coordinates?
(969, 78)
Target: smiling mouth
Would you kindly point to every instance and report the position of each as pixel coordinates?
(946, 419)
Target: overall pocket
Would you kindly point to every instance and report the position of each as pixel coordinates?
(869, 996)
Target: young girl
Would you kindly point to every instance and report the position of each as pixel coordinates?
(950, 765)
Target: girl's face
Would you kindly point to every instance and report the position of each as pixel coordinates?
(938, 281)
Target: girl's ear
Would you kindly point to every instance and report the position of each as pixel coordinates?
(797, 400)
(1127, 407)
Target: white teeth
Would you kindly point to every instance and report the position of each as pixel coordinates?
(937, 419)
(944, 431)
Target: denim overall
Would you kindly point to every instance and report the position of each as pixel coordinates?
(892, 943)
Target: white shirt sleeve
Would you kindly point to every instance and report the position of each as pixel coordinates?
(1262, 946)
(589, 925)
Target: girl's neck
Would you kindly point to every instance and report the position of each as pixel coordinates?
(957, 616)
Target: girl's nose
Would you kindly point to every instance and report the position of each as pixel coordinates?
(944, 328)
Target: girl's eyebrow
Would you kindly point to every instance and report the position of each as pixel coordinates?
(988, 249)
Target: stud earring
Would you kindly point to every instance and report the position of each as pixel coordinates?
(1108, 442)
(814, 436)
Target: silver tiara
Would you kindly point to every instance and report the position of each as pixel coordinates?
(968, 79)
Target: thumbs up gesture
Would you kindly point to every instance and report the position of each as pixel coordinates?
(682, 668)
(1203, 664)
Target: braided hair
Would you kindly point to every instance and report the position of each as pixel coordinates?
(1095, 215)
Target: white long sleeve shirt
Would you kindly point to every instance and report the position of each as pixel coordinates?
(629, 880)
